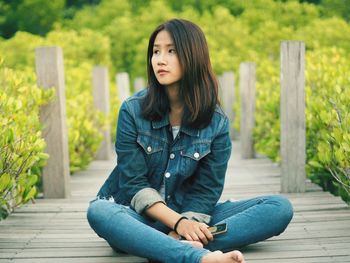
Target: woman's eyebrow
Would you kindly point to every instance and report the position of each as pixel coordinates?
(167, 45)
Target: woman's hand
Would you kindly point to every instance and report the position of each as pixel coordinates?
(194, 231)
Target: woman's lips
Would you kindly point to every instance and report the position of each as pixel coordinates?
(162, 72)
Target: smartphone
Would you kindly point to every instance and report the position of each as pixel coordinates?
(218, 229)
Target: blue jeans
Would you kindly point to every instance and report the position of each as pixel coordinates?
(248, 221)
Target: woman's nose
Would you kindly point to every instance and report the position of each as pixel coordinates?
(161, 60)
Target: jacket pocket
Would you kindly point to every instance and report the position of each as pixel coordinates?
(152, 149)
(191, 156)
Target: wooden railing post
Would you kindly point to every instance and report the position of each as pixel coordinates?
(227, 99)
(50, 73)
(292, 145)
(101, 102)
(247, 91)
(123, 84)
(139, 84)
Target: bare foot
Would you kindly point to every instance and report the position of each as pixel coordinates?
(219, 257)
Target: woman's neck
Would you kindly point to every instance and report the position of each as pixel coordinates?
(176, 106)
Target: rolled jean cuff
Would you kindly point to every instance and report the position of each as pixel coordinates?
(199, 217)
(145, 198)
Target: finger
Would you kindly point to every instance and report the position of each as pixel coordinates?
(202, 237)
(194, 236)
(207, 233)
(188, 237)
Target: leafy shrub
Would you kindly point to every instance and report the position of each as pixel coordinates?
(328, 119)
(83, 121)
(21, 143)
(267, 110)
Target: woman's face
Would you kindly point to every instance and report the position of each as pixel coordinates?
(165, 61)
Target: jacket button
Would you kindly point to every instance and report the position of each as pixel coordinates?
(149, 149)
(172, 156)
(196, 155)
(167, 175)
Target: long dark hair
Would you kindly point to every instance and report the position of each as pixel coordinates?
(198, 85)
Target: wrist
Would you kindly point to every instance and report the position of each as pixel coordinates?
(177, 223)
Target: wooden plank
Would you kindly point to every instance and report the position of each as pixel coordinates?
(100, 81)
(292, 146)
(139, 84)
(50, 73)
(247, 91)
(125, 259)
(57, 231)
(228, 98)
(123, 85)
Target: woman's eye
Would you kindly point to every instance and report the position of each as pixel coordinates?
(156, 51)
(172, 51)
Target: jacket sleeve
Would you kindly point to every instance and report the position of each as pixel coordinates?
(209, 178)
(132, 166)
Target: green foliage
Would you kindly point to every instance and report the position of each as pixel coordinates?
(21, 144)
(83, 121)
(328, 119)
(330, 8)
(326, 33)
(35, 16)
(267, 112)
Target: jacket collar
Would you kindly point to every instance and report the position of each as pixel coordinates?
(165, 122)
(190, 131)
(161, 123)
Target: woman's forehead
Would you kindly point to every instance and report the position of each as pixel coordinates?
(163, 38)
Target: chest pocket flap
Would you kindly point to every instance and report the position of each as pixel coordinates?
(197, 151)
(150, 144)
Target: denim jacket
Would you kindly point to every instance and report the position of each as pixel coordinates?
(192, 166)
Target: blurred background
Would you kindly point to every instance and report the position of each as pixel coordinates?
(115, 33)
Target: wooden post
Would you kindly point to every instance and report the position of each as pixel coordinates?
(123, 85)
(247, 90)
(220, 83)
(292, 145)
(50, 73)
(101, 101)
(228, 91)
(139, 84)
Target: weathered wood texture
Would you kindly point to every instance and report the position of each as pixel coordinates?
(56, 230)
(247, 91)
(293, 156)
(228, 98)
(50, 74)
(100, 92)
(123, 84)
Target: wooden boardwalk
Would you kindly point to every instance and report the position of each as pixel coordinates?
(56, 230)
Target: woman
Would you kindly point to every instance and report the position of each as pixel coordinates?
(173, 146)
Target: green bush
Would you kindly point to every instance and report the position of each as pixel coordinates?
(83, 121)
(21, 144)
(328, 119)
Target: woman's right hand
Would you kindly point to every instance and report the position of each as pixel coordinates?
(194, 231)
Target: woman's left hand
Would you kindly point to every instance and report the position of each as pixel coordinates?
(194, 231)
